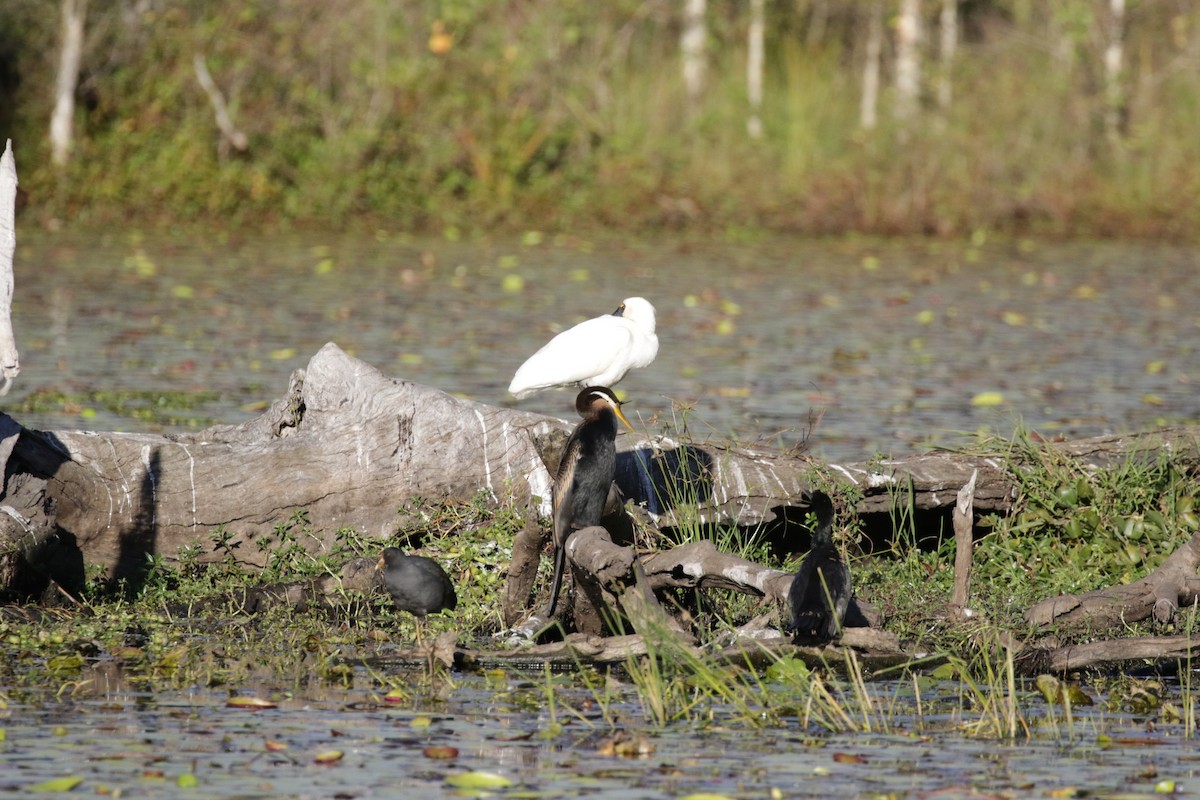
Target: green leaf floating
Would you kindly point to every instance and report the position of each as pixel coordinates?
(479, 779)
(57, 784)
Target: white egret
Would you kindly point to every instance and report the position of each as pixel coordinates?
(596, 352)
(585, 473)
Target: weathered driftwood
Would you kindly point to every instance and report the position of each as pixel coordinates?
(964, 539)
(348, 445)
(1159, 594)
(1114, 651)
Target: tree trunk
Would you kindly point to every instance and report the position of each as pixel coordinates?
(908, 60)
(947, 47)
(63, 117)
(231, 136)
(869, 105)
(1114, 59)
(691, 44)
(754, 68)
(10, 361)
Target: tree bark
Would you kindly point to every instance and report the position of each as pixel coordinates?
(230, 134)
(10, 361)
(908, 60)
(754, 68)
(947, 47)
(869, 104)
(1115, 110)
(62, 119)
(691, 45)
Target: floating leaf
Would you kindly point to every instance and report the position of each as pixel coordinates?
(925, 317)
(183, 292)
(512, 283)
(986, 399)
(395, 697)
(706, 796)
(187, 781)
(440, 752)
(283, 354)
(57, 784)
(65, 663)
(1048, 686)
(1165, 787)
(848, 758)
(479, 779)
(328, 757)
(251, 703)
(274, 746)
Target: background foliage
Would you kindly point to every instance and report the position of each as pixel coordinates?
(560, 114)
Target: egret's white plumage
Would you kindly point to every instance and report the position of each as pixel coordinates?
(597, 352)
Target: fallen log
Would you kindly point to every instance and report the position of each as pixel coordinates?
(348, 446)
(1159, 594)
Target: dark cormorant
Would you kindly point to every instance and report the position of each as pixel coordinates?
(820, 592)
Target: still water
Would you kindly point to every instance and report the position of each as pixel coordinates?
(332, 743)
(863, 347)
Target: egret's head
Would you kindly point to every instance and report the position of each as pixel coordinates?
(594, 399)
(638, 311)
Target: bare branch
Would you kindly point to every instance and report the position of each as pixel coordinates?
(228, 130)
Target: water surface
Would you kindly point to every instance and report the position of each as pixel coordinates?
(887, 347)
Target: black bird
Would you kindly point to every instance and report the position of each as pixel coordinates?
(585, 474)
(417, 584)
(820, 592)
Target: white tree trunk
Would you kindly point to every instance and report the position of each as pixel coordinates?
(63, 117)
(868, 109)
(1114, 57)
(10, 363)
(692, 45)
(947, 47)
(754, 68)
(908, 60)
(229, 131)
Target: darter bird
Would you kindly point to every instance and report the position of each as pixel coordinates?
(585, 473)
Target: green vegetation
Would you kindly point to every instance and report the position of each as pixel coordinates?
(157, 407)
(463, 115)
